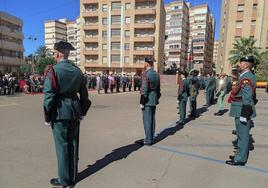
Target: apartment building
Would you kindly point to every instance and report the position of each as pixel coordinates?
(116, 36)
(55, 31)
(73, 37)
(64, 30)
(177, 32)
(241, 18)
(215, 52)
(11, 43)
(201, 40)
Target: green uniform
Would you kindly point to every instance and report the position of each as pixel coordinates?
(150, 95)
(221, 92)
(210, 89)
(63, 108)
(193, 91)
(243, 105)
(183, 94)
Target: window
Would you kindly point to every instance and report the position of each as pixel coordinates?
(253, 22)
(240, 8)
(127, 20)
(104, 21)
(128, 6)
(127, 33)
(239, 24)
(126, 60)
(116, 5)
(126, 46)
(116, 32)
(115, 45)
(255, 6)
(116, 19)
(104, 8)
(115, 58)
(104, 34)
(104, 46)
(104, 59)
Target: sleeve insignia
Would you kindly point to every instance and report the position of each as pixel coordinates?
(245, 82)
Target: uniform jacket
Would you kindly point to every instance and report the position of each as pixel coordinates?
(183, 91)
(64, 103)
(245, 96)
(150, 91)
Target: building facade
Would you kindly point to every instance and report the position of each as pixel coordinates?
(241, 18)
(177, 32)
(215, 52)
(11, 43)
(73, 37)
(55, 31)
(116, 36)
(64, 30)
(201, 40)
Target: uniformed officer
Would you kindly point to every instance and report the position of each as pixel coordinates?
(150, 95)
(63, 110)
(210, 89)
(193, 91)
(221, 92)
(183, 93)
(243, 100)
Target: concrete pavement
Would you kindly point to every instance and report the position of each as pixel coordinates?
(190, 157)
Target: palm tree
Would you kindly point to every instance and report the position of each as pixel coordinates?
(43, 52)
(245, 47)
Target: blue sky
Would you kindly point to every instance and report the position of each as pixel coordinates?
(35, 12)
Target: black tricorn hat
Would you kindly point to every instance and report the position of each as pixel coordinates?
(185, 73)
(149, 60)
(62, 45)
(250, 59)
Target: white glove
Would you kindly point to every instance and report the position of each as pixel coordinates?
(141, 106)
(47, 124)
(81, 118)
(243, 119)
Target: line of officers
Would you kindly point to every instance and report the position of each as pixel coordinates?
(189, 86)
(113, 82)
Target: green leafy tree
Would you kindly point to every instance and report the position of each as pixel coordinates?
(43, 52)
(25, 69)
(242, 47)
(42, 62)
(262, 69)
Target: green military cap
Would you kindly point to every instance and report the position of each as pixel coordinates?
(62, 45)
(249, 59)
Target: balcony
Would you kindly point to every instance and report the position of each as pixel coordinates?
(144, 25)
(86, 14)
(145, 11)
(11, 61)
(174, 50)
(91, 52)
(143, 38)
(12, 46)
(143, 52)
(7, 31)
(94, 39)
(91, 27)
(85, 2)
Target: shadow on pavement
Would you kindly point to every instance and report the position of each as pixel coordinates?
(115, 155)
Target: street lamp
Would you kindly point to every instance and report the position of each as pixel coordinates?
(32, 39)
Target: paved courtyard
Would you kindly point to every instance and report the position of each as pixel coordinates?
(189, 157)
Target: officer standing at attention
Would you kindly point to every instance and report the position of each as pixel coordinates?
(243, 101)
(194, 91)
(150, 94)
(221, 92)
(183, 93)
(63, 110)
